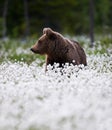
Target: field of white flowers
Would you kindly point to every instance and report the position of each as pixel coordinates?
(78, 99)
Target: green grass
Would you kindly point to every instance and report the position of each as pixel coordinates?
(9, 49)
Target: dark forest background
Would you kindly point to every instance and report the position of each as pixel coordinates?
(23, 18)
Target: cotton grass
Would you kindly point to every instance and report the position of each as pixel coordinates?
(61, 99)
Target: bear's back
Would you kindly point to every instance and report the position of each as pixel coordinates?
(80, 51)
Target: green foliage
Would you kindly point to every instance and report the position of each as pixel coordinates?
(103, 45)
(16, 50)
(66, 16)
(106, 41)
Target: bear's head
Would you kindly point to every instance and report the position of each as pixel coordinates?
(46, 42)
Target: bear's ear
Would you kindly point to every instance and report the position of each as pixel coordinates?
(50, 33)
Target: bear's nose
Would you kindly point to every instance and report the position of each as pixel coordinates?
(31, 49)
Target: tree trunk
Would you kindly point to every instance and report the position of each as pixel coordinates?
(91, 22)
(4, 31)
(26, 16)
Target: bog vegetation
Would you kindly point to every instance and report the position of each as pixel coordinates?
(66, 99)
(78, 99)
(19, 50)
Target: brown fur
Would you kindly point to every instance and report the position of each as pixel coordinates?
(59, 49)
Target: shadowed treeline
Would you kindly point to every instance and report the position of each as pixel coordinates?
(22, 18)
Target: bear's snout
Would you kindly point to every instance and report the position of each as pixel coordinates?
(33, 50)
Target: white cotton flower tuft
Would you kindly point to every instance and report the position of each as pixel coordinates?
(67, 98)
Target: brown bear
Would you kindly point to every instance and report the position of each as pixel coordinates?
(59, 49)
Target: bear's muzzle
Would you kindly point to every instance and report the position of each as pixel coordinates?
(33, 50)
